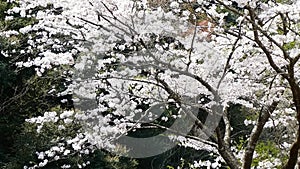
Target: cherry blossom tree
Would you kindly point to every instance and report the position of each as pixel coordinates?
(148, 67)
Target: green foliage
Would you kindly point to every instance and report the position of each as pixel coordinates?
(237, 115)
(284, 1)
(266, 150)
(104, 160)
(4, 6)
(170, 167)
(8, 77)
(18, 98)
(24, 95)
(241, 143)
(16, 23)
(291, 45)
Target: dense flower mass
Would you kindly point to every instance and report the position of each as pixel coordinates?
(133, 66)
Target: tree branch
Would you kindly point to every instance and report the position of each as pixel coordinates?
(225, 151)
(256, 132)
(263, 47)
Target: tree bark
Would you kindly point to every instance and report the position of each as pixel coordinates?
(256, 132)
(225, 152)
(293, 154)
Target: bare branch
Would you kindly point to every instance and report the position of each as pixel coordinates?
(154, 125)
(227, 65)
(95, 24)
(256, 27)
(199, 79)
(115, 18)
(263, 47)
(191, 48)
